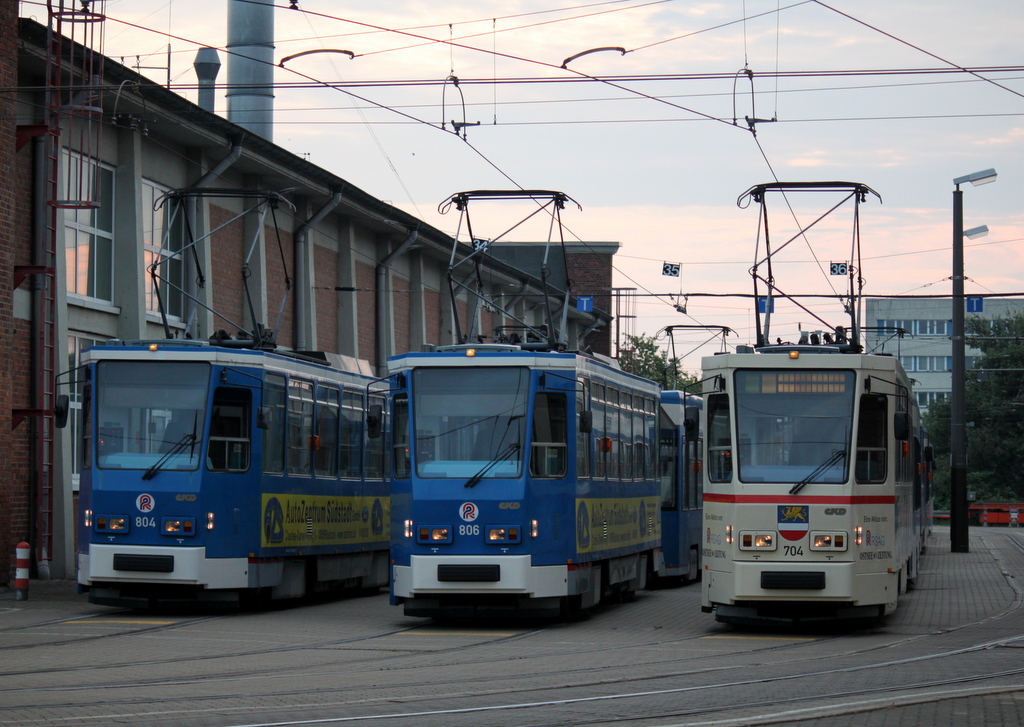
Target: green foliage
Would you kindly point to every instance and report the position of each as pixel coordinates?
(995, 415)
(641, 356)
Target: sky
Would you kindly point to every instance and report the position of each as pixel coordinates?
(898, 95)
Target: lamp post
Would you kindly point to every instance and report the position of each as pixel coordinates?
(959, 539)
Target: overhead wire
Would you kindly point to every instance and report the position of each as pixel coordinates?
(616, 85)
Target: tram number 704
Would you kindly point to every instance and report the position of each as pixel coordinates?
(793, 550)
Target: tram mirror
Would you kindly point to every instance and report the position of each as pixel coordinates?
(691, 418)
(586, 422)
(60, 411)
(263, 417)
(901, 426)
(374, 420)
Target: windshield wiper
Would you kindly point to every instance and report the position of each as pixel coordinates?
(837, 456)
(176, 449)
(503, 454)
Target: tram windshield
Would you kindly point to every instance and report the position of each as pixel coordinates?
(150, 415)
(469, 422)
(794, 426)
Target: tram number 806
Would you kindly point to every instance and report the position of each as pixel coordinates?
(469, 530)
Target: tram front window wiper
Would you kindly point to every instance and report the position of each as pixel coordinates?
(503, 454)
(178, 447)
(837, 456)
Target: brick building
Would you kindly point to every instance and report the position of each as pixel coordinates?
(246, 234)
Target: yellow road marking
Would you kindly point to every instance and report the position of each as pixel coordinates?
(114, 621)
(764, 638)
(454, 633)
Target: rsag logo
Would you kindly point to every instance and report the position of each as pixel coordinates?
(145, 503)
(469, 512)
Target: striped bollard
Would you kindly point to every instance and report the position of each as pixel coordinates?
(21, 572)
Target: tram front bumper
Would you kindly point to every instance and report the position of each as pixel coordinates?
(781, 581)
(155, 564)
(456, 574)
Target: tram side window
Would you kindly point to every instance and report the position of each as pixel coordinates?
(229, 430)
(626, 436)
(599, 433)
(919, 471)
(326, 452)
(872, 454)
(375, 448)
(904, 464)
(582, 438)
(86, 426)
(352, 414)
(719, 439)
(300, 426)
(639, 441)
(400, 436)
(651, 435)
(612, 431)
(694, 473)
(275, 401)
(549, 449)
(668, 461)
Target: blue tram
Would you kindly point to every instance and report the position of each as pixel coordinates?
(524, 482)
(212, 474)
(680, 451)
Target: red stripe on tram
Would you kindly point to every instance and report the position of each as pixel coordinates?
(809, 499)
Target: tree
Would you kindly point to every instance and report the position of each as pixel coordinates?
(995, 415)
(642, 356)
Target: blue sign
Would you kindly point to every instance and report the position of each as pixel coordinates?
(975, 304)
(762, 302)
(584, 303)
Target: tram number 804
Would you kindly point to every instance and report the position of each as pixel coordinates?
(469, 530)
(145, 522)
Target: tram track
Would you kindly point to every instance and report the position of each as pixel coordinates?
(310, 689)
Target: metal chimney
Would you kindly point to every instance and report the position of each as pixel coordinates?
(250, 88)
(207, 65)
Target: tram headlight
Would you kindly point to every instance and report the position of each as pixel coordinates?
(110, 523)
(758, 540)
(209, 521)
(834, 540)
(408, 528)
(432, 534)
(88, 518)
(858, 535)
(534, 529)
(728, 534)
(503, 533)
(178, 526)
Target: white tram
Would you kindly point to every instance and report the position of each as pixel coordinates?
(811, 483)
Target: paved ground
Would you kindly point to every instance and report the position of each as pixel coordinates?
(952, 654)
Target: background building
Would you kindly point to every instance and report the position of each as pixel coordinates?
(926, 348)
(125, 202)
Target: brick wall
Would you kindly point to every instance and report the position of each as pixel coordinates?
(367, 306)
(277, 284)
(325, 275)
(227, 249)
(401, 297)
(591, 274)
(16, 511)
(432, 316)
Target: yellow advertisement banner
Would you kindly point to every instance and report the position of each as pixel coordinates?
(617, 522)
(304, 520)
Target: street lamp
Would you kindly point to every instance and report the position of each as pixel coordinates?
(959, 538)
